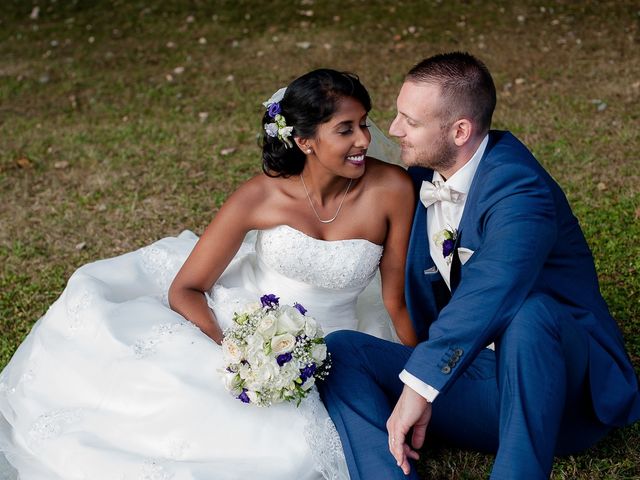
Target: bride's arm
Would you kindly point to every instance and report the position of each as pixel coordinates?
(400, 202)
(211, 255)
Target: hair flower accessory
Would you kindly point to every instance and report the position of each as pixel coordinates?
(278, 128)
(446, 239)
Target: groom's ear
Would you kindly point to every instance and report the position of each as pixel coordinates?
(462, 131)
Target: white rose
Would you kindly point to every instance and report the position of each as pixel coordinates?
(288, 373)
(282, 343)
(255, 346)
(232, 382)
(231, 351)
(253, 397)
(267, 371)
(309, 383)
(268, 325)
(290, 320)
(319, 352)
(310, 327)
(251, 383)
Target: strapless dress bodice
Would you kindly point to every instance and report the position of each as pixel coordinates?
(325, 276)
(334, 264)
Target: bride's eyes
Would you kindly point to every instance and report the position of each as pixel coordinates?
(349, 131)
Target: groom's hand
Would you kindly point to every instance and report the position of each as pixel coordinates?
(412, 410)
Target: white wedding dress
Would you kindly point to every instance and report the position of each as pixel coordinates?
(111, 384)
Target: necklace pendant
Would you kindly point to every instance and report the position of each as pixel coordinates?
(304, 185)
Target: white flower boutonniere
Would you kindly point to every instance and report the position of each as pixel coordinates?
(446, 239)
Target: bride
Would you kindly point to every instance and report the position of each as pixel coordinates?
(120, 379)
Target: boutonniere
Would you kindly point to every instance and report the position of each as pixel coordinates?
(446, 239)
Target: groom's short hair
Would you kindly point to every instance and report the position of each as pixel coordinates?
(467, 88)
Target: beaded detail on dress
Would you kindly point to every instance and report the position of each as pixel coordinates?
(322, 263)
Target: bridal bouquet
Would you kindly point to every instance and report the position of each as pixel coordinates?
(273, 353)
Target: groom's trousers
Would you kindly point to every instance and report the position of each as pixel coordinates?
(526, 402)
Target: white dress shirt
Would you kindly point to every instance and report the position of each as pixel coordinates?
(447, 215)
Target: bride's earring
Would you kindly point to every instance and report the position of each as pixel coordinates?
(309, 150)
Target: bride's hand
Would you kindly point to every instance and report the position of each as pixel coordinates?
(192, 305)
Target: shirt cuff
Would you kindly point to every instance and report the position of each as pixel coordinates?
(427, 391)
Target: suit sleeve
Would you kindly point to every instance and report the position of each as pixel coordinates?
(516, 217)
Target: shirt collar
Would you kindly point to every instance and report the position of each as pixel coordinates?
(461, 180)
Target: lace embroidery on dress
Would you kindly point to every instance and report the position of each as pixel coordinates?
(75, 308)
(26, 377)
(161, 266)
(322, 263)
(225, 302)
(176, 448)
(154, 470)
(51, 424)
(323, 439)
(159, 334)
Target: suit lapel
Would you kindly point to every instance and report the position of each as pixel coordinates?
(474, 190)
(468, 215)
(456, 266)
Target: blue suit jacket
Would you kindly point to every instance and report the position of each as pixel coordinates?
(525, 240)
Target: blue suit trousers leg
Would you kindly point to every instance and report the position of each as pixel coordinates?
(527, 401)
(360, 394)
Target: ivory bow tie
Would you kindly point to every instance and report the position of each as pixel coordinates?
(431, 193)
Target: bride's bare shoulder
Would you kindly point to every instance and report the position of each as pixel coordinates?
(258, 187)
(258, 194)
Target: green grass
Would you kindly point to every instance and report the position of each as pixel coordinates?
(114, 153)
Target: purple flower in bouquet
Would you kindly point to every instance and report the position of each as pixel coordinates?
(307, 372)
(274, 109)
(300, 308)
(273, 353)
(269, 300)
(284, 358)
(243, 397)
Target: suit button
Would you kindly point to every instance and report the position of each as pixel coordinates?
(452, 362)
(458, 352)
(446, 369)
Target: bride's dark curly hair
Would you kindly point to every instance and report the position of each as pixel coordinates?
(309, 100)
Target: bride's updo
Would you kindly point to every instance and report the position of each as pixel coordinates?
(309, 100)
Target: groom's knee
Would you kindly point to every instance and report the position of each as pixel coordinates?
(538, 318)
(343, 342)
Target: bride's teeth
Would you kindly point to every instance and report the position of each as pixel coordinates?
(356, 158)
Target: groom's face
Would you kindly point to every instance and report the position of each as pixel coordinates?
(420, 126)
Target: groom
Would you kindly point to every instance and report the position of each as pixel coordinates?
(519, 355)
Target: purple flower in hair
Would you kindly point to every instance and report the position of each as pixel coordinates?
(274, 109)
(300, 308)
(269, 300)
(243, 397)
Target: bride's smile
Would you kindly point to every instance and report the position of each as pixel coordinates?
(340, 145)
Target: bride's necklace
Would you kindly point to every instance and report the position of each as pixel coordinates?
(314, 208)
